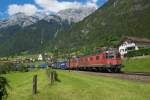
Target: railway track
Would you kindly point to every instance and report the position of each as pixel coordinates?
(137, 73)
(137, 77)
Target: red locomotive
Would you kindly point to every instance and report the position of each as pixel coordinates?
(106, 61)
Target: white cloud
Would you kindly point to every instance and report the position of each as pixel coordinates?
(94, 1)
(48, 6)
(55, 5)
(27, 9)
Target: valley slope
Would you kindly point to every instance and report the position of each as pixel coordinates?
(109, 24)
(23, 33)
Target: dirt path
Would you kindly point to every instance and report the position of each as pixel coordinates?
(138, 77)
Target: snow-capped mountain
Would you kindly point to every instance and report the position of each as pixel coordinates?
(21, 33)
(22, 20)
(76, 14)
(71, 15)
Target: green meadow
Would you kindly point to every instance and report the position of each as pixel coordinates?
(137, 64)
(75, 86)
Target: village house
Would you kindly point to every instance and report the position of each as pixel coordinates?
(40, 57)
(132, 43)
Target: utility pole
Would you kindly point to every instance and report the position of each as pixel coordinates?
(69, 56)
(55, 55)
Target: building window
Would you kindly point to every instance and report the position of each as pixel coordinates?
(97, 57)
(131, 48)
(86, 59)
(83, 59)
(91, 58)
(122, 50)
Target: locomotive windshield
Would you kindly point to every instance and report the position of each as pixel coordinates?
(112, 55)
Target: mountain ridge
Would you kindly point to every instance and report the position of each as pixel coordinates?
(109, 24)
(24, 20)
(22, 33)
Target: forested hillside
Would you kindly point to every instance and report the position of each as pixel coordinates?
(25, 33)
(103, 28)
(32, 38)
(109, 24)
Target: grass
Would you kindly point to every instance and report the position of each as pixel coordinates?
(75, 86)
(137, 65)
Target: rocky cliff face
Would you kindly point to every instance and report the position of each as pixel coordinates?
(23, 20)
(71, 15)
(76, 15)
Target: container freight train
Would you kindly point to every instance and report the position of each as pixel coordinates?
(109, 61)
(59, 65)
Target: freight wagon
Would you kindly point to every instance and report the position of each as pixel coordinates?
(59, 65)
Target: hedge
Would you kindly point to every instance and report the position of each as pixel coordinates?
(141, 52)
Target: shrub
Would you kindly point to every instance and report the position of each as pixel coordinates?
(22, 68)
(48, 71)
(52, 75)
(7, 67)
(3, 85)
(140, 52)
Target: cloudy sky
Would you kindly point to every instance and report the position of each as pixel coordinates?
(30, 7)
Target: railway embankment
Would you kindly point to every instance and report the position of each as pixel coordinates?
(137, 64)
(135, 77)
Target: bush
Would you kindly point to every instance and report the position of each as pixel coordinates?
(52, 75)
(22, 68)
(48, 71)
(3, 85)
(7, 67)
(140, 52)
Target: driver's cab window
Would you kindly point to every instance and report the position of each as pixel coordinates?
(109, 56)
